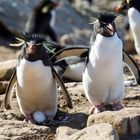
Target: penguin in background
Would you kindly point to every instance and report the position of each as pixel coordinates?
(70, 68)
(70, 63)
(35, 81)
(103, 80)
(42, 18)
(133, 12)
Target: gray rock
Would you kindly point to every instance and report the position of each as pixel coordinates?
(68, 21)
(76, 121)
(106, 4)
(3, 85)
(125, 121)
(18, 130)
(101, 131)
(14, 14)
(75, 25)
(6, 69)
(64, 132)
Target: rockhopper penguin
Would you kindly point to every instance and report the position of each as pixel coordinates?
(35, 80)
(103, 76)
(133, 7)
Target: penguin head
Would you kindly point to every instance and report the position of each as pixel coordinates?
(105, 25)
(32, 48)
(33, 44)
(126, 4)
(35, 47)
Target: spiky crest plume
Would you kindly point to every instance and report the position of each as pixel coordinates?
(38, 38)
(106, 17)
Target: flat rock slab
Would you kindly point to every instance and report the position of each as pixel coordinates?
(6, 69)
(77, 120)
(126, 121)
(13, 14)
(18, 130)
(101, 131)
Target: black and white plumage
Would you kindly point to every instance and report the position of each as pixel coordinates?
(41, 19)
(103, 77)
(35, 80)
(73, 59)
(133, 11)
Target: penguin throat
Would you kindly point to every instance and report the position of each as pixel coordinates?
(106, 41)
(108, 31)
(40, 54)
(33, 57)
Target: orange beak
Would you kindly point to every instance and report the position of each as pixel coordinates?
(31, 48)
(119, 9)
(111, 29)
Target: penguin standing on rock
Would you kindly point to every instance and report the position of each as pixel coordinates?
(103, 76)
(35, 80)
(133, 7)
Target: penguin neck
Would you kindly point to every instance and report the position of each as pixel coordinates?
(42, 55)
(106, 41)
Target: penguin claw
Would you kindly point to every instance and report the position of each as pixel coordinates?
(117, 106)
(97, 109)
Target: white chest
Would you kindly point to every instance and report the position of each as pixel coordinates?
(35, 79)
(134, 17)
(103, 76)
(75, 71)
(134, 21)
(106, 53)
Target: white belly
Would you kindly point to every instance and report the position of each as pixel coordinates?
(134, 21)
(75, 71)
(103, 76)
(36, 89)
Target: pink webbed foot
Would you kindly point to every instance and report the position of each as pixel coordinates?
(117, 106)
(97, 109)
(29, 118)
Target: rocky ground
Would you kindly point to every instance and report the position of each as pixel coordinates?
(75, 123)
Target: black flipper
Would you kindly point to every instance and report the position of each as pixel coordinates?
(60, 82)
(70, 51)
(133, 67)
(9, 91)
